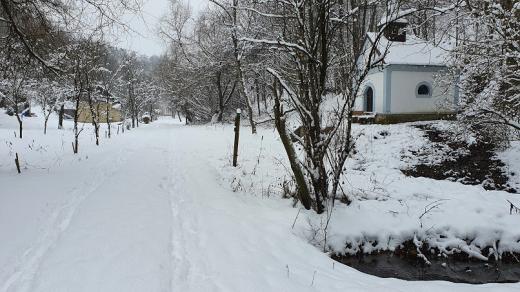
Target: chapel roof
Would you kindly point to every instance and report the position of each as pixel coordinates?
(413, 51)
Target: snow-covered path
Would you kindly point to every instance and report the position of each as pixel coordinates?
(147, 213)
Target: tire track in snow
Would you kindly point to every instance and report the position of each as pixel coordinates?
(27, 268)
(180, 266)
(187, 268)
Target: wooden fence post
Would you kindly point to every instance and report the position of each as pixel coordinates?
(17, 162)
(237, 134)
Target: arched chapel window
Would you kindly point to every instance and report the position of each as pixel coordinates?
(423, 89)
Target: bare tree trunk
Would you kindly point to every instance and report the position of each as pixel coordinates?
(76, 130)
(95, 123)
(187, 116)
(76, 144)
(264, 96)
(45, 125)
(108, 106)
(93, 111)
(18, 115)
(238, 58)
(60, 117)
(220, 96)
(257, 88)
(303, 189)
(20, 125)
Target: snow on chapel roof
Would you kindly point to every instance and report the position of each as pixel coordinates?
(414, 51)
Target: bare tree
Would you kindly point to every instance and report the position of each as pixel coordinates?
(232, 13)
(312, 40)
(15, 85)
(201, 49)
(17, 100)
(51, 95)
(85, 54)
(30, 20)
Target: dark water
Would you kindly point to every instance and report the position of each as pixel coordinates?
(474, 272)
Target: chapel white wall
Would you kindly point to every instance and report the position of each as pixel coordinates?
(403, 93)
(376, 80)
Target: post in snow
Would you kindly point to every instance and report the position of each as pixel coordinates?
(237, 134)
(17, 162)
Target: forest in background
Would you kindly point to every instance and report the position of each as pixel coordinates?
(274, 58)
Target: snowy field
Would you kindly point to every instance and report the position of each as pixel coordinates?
(160, 208)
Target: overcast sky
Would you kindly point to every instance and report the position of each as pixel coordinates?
(146, 41)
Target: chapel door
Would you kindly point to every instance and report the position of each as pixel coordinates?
(369, 99)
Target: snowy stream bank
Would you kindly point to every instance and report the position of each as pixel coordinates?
(389, 209)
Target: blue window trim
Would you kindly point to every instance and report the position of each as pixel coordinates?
(430, 89)
(387, 92)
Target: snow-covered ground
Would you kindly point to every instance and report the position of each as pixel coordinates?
(161, 209)
(511, 157)
(388, 207)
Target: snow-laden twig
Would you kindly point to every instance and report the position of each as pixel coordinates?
(513, 207)
(279, 43)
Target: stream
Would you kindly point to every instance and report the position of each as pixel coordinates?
(387, 265)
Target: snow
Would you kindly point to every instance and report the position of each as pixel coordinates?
(511, 158)
(389, 208)
(160, 208)
(414, 51)
(69, 105)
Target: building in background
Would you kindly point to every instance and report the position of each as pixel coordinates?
(404, 87)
